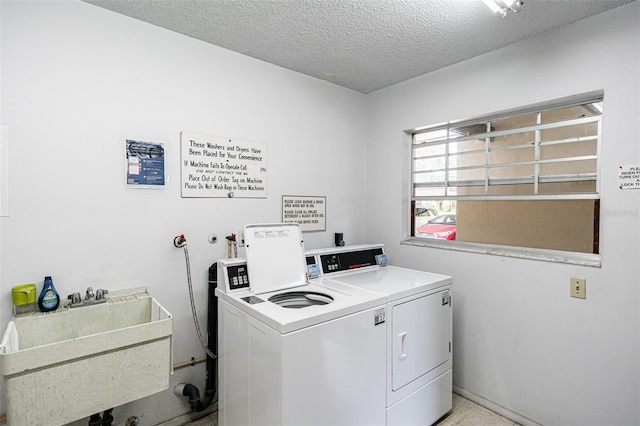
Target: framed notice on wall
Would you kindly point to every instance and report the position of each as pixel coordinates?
(215, 166)
(145, 164)
(307, 211)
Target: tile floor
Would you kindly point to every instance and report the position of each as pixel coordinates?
(464, 413)
(468, 413)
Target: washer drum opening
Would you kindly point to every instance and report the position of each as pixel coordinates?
(300, 299)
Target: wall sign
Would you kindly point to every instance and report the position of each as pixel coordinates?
(309, 212)
(213, 166)
(629, 177)
(145, 164)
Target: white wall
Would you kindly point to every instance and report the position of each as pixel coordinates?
(520, 341)
(76, 81)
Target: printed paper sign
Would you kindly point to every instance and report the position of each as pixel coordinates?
(145, 164)
(629, 177)
(309, 212)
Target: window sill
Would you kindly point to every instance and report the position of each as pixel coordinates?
(573, 258)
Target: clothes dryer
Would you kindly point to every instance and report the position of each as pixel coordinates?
(293, 352)
(419, 329)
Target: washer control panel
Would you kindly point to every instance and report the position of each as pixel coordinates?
(350, 260)
(234, 273)
(313, 270)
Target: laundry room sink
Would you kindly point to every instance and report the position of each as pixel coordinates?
(68, 364)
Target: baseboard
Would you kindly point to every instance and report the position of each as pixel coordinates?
(504, 412)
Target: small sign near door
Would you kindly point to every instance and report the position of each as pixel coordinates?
(629, 177)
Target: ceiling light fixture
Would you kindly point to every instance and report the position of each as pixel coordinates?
(501, 6)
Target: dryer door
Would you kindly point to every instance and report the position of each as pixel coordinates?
(421, 336)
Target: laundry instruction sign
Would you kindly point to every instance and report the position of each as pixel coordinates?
(215, 166)
(629, 177)
(309, 212)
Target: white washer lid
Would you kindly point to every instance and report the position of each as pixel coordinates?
(275, 257)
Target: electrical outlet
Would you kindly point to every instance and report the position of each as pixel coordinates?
(579, 288)
(240, 238)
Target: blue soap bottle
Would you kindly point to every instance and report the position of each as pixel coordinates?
(49, 299)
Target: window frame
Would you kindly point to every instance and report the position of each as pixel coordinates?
(579, 258)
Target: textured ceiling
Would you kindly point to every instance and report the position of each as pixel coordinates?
(364, 45)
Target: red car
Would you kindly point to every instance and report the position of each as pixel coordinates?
(442, 227)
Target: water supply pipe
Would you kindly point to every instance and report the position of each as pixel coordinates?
(191, 363)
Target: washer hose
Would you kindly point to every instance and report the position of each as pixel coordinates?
(181, 242)
(190, 390)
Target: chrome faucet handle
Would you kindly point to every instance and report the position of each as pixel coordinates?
(90, 294)
(100, 293)
(75, 298)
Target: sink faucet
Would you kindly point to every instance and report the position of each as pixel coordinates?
(91, 298)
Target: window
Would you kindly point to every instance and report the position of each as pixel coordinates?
(526, 178)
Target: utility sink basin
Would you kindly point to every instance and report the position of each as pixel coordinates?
(68, 364)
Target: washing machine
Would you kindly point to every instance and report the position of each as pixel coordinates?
(295, 351)
(419, 384)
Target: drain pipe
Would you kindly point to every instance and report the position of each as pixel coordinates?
(95, 420)
(106, 419)
(187, 389)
